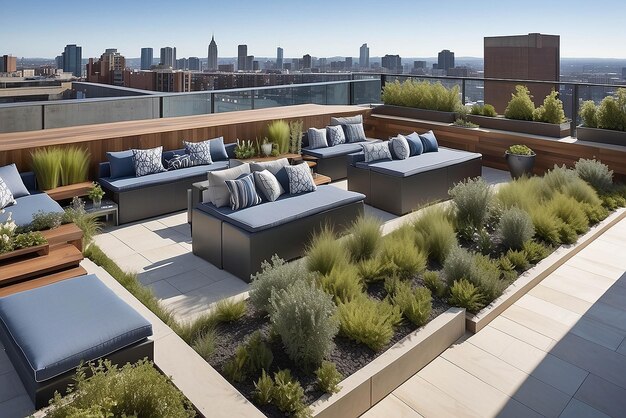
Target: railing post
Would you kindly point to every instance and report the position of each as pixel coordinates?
(350, 93)
(574, 110)
(212, 103)
(251, 99)
(463, 91)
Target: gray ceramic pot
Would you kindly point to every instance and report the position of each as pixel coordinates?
(520, 164)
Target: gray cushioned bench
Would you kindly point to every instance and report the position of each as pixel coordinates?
(47, 332)
(331, 161)
(400, 186)
(239, 241)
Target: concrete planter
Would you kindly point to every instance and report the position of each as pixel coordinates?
(604, 136)
(362, 390)
(414, 113)
(523, 126)
(520, 165)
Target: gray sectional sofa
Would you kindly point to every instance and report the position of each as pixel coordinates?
(154, 194)
(401, 186)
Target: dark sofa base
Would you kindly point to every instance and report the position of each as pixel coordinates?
(333, 167)
(401, 195)
(241, 252)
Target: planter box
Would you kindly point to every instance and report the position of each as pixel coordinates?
(414, 113)
(36, 251)
(523, 126)
(369, 385)
(604, 136)
(535, 275)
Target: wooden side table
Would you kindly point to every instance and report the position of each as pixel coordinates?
(70, 191)
(320, 179)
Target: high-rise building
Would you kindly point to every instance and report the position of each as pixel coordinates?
(306, 61)
(525, 57)
(59, 62)
(255, 65)
(73, 60)
(193, 64)
(364, 56)
(279, 58)
(212, 61)
(445, 60)
(109, 69)
(242, 53)
(8, 64)
(295, 64)
(168, 57)
(393, 63)
(147, 56)
(249, 61)
(182, 64)
(348, 63)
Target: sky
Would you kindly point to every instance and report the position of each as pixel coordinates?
(322, 28)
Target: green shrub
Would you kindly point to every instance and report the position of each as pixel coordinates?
(484, 110)
(46, 163)
(288, 395)
(595, 213)
(570, 211)
(328, 377)
(422, 95)
(483, 242)
(588, 114)
(205, 344)
(371, 270)
(325, 252)
(190, 331)
(507, 269)
(567, 234)
(236, 368)
(535, 251)
(547, 226)
(521, 106)
(465, 295)
(415, 304)
(304, 317)
(230, 310)
(515, 227)
(87, 222)
(433, 281)
(295, 136)
(522, 193)
(595, 173)
(278, 133)
(465, 123)
(520, 150)
(556, 179)
(273, 277)
(551, 111)
(263, 389)
(43, 221)
(457, 265)
(518, 258)
(250, 358)
(485, 274)
(364, 239)
(368, 321)
(472, 199)
(343, 283)
(28, 239)
(74, 165)
(582, 192)
(609, 114)
(137, 390)
(437, 233)
(400, 257)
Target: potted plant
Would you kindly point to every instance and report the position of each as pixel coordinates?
(245, 149)
(520, 159)
(96, 194)
(605, 123)
(266, 147)
(278, 133)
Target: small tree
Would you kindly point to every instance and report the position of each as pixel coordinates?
(521, 106)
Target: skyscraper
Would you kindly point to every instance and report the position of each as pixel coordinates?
(242, 53)
(212, 62)
(249, 61)
(147, 56)
(168, 57)
(364, 56)
(393, 63)
(73, 60)
(526, 57)
(8, 64)
(306, 61)
(194, 64)
(445, 60)
(279, 58)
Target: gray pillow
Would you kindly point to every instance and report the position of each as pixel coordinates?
(277, 168)
(199, 152)
(376, 151)
(147, 161)
(300, 179)
(6, 197)
(268, 185)
(217, 193)
(13, 180)
(317, 138)
(354, 132)
(335, 135)
(400, 147)
(346, 120)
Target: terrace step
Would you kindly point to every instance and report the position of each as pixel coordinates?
(65, 234)
(61, 257)
(42, 281)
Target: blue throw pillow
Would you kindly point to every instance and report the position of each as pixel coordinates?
(121, 164)
(218, 150)
(415, 144)
(242, 192)
(429, 141)
(354, 132)
(13, 180)
(178, 161)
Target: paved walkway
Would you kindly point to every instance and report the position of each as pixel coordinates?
(560, 351)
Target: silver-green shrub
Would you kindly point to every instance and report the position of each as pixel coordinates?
(595, 173)
(515, 228)
(472, 200)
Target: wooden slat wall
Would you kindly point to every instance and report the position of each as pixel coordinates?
(492, 144)
(169, 132)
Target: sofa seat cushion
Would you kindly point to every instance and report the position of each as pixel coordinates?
(55, 335)
(336, 150)
(420, 163)
(26, 206)
(285, 209)
(125, 184)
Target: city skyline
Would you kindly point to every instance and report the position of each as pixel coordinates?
(40, 35)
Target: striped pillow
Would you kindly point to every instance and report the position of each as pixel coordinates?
(317, 138)
(354, 132)
(242, 192)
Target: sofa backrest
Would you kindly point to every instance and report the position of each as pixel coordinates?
(355, 157)
(30, 181)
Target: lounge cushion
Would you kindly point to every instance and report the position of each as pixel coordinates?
(12, 178)
(420, 163)
(26, 206)
(57, 326)
(125, 184)
(285, 209)
(337, 150)
(121, 164)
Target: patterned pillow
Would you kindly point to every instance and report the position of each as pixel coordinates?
(317, 138)
(217, 193)
(400, 147)
(336, 135)
(269, 186)
(199, 152)
(300, 179)
(376, 151)
(147, 161)
(354, 132)
(6, 197)
(430, 142)
(178, 161)
(242, 192)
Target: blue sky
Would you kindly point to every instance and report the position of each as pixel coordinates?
(321, 28)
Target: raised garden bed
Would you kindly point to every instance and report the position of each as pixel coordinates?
(414, 113)
(604, 136)
(523, 126)
(34, 251)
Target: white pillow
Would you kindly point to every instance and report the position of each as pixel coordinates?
(269, 186)
(376, 151)
(148, 161)
(400, 147)
(317, 138)
(300, 179)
